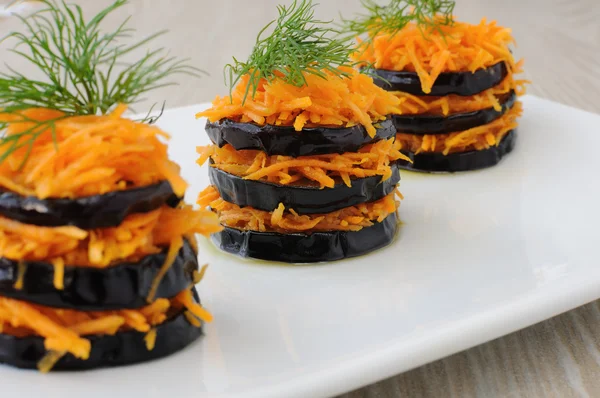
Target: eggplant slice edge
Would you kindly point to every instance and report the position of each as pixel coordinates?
(285, 140)
(458, 83)
(461, 161)
(121, 286)
(90, 212)
(307, 248)
(303, 199)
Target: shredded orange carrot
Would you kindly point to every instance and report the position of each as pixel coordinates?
(199, 275)
(21, 269)
(108, 324)
(477, 138)
(64, 330)
(352, 218)
(191, 318)
(59, 273)
(370, 160)
(150, 339)
(455, 48)
(88, 155)
(186, 300)
(174, 247)
(451, 104)
(139, 235)
(49, 360)
(333, 101)
(30, 319)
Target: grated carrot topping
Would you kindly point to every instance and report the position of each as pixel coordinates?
(30, 319)
(49, 360)
(451, 104)
(199, 275)
(477, 138)
(138, 235)
(186, 300)
(59, 273)
(331, 101)
(459, 47)
(92, 155)
(64, 330)
(21, 269)
(174, 247)
(370, 160)
(352, 218)
(150, 339)
(108, 324)
(191, 318)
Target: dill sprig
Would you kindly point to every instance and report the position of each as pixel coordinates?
(298, 44)
(82, 67)
(428, 15)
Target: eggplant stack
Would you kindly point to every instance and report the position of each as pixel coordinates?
(455, 81)
(98, 258)
(303, 164)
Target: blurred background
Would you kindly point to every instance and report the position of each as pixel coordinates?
(560, 39)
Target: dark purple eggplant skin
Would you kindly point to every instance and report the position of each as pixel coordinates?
(303, 199)
(461, 161)
(285, 140)
(123, 348)
(121, 286)
(459, 83)
(434, 124)
(307, 248)
(90, 212)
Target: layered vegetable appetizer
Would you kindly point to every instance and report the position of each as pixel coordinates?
(304, 160)
(455, 82)
(98, 257)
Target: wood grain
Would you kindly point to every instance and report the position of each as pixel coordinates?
(560, 40)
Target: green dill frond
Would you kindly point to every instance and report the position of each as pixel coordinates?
(429, 15)
(298, 44)
(82, 67)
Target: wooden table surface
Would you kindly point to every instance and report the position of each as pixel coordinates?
(560, 40)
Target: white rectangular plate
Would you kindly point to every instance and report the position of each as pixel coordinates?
(479, 255)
